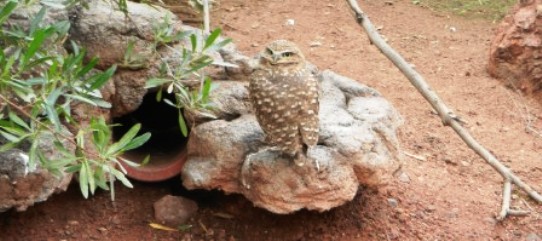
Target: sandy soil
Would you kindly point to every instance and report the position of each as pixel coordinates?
(451, 194)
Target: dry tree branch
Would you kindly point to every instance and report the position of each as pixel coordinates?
(447, 116)
(206, 20)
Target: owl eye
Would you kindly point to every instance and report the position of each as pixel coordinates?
(269, 51)
(287, 54)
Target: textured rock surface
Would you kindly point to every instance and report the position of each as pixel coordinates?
(516, 50)
(105, 33)
(22, 16)
(22, 184)
(357, 144)
(174, 210)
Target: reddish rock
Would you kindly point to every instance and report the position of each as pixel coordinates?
(174, 210)
(516, 51)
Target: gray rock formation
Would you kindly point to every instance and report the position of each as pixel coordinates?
(357, 145)
(106, 33)
(23, 183)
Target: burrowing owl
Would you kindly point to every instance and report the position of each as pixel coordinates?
(285, 98)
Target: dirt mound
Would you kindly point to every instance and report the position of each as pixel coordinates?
(516, 51)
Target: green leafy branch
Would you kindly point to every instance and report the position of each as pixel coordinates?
(39, 85)
(175, 75)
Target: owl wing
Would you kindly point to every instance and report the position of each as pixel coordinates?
(309, 124)
(262, 95)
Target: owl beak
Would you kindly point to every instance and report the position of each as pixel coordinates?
(276, 57)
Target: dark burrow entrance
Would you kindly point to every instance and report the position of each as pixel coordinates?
(167, 144)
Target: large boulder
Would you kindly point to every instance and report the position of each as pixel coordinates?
(357, 145)
(516, 51)
(105, 32)
(23, 183)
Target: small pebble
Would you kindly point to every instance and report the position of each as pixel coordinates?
(431, 208)
(403, 177)
(533, 237)
(393, 202)
(290, 22)
(73, 222)
(490, 220)
(315, 44)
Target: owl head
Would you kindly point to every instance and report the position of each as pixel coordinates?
(282, 54)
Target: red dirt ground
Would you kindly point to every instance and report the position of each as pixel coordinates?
(452, 194)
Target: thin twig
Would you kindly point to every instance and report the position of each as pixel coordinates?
(447, 116)
(506, 196)
(206, 19)
(417, 157)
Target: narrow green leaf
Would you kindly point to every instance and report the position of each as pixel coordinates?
(74, 47)
(182, 124)
(17, 120)
(103, 78)
(200, 63)
(60, 147)
(8, 146)
(120, 176)
(62, 27)
(34, 24)
(36, 81)
(52, 115)
(194, 42)
(156, 82)
(167, 101)
(83, 180)
(146, 160)
(82, 99)
(212, 37)
(101, 133)
(6, 10)
(89, 66)
(159, 95)
(102, 103)
(73, 169)
(10, 137)
(206, 90)
(10, 62)
(90, 175)
(219, 45)
(53, 4)
(128, 162)
(137, 142)
(124, 141)
(38, 38)
(101, 181)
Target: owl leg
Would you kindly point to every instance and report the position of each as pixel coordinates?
(246, 168)
(317, 165)
(300, 159)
